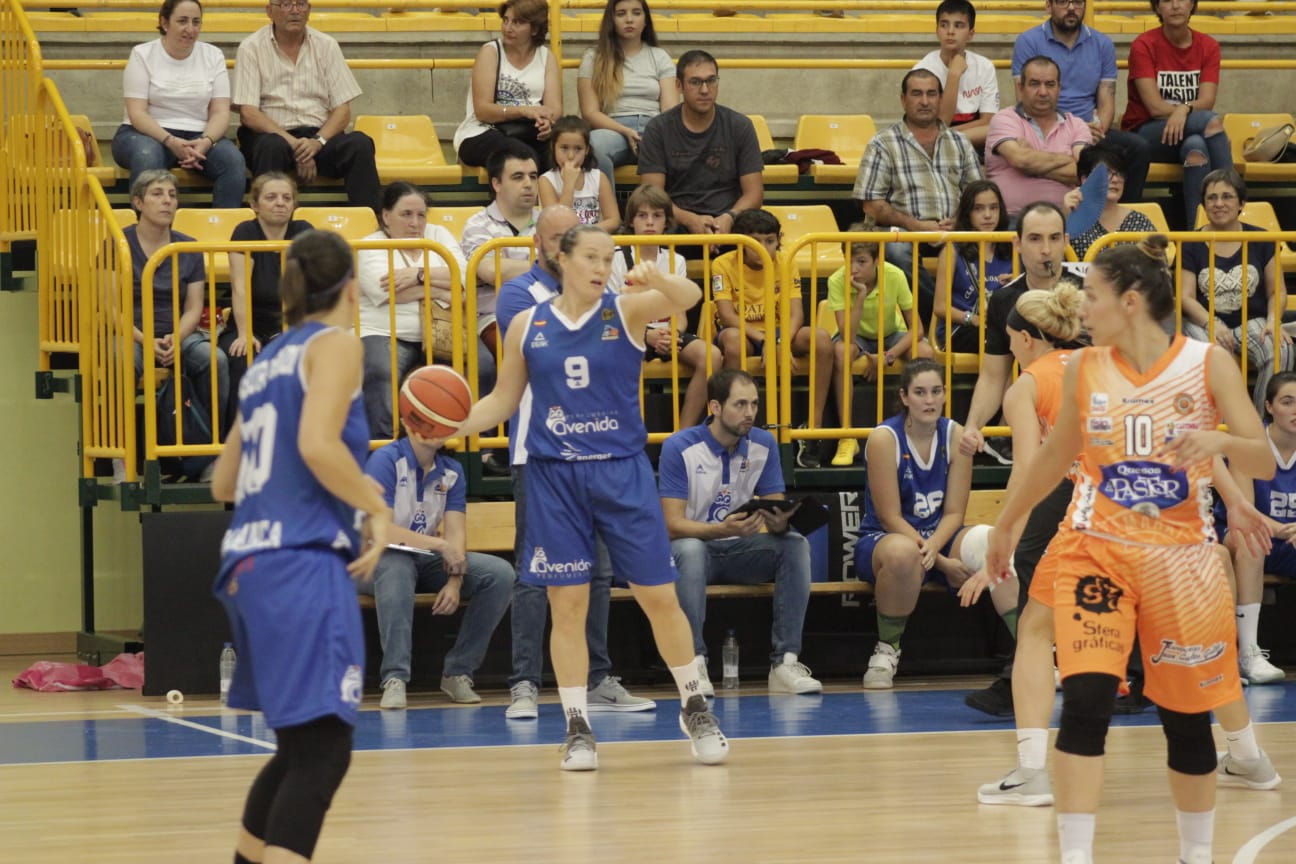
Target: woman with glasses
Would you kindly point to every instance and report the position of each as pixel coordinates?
(1113, 217)
(178, 106)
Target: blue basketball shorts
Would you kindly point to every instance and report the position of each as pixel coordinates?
(864, 547)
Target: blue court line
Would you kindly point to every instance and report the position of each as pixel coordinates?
(756, 716)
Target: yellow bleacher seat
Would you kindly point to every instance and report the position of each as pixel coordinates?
(1165, 172)
(125, 216)
(104, 173)
(1243, 127)
(120, 22)
(707, 23)
(894, 22)
(847, 135)
(353, 223)
(799, 220)
(408, 148)
(225, 21)
(212, 225)
(1156, 216)
(56, 22)
(347, 22)
(452, 219)
(772, 174)
(399, 21)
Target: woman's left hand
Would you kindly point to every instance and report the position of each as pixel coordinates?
(641, 278)
(632, 137)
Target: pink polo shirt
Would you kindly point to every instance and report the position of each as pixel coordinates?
(1013, 124)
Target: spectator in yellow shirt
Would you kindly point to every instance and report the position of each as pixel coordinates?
(738, 289)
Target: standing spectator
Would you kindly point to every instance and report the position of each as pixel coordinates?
(970, 85)
(912, 174)
(516, 91)
(178, 106)
(1246, 297)
(530, 606)
(1031, 148)
(574, 181)
(399, 279)
(707, 473)
(624, 81)
(425, 489)
(293, 92)
(1174, 74)
(273, 199)
(704, 155)
(960, 268)
(1087, 59)
(1114, 217)
(155, 198)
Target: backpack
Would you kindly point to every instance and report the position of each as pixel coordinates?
(196, 428)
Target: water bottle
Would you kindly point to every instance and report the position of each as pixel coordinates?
(729, 655)
(227, 661)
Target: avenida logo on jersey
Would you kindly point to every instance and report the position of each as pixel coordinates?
(541, 566)
(559, 424)
(719, 509)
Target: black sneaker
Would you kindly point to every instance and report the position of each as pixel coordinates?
(493, 466)
(995, 700)
(807, 451)
(1135, 702)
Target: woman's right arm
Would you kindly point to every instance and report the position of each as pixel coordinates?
(945, 265)
(135, 84)
(510, 384)
(371, 267)
(238, 298)
(485, 70)
(1020, 417)
(590, 108)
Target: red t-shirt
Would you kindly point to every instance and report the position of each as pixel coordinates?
(1179, 72)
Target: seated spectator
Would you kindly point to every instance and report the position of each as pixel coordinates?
(516, 89)
(293, 91)
(1174, 74)
(704, 155)
(273, 199)
(178, 106)
(1031, 148)
(738, 290)
(708, 472)
(426, 490)
(624, 81)
(912, 530)
(1246, 297)
(400, 278)
(155, 198)
(959, 269)
(970, 85)
(514, 182)
(1114, 217)
(574, 181)
(857, 314)
(649, 212)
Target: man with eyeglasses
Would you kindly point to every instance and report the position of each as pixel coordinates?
(293, 92)
(1087, 60)
(704, 155)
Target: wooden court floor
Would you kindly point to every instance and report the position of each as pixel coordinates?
(877, 795)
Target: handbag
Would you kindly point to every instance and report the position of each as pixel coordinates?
(511, 128)
(1269, 144)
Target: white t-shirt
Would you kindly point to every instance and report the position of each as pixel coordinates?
(586, 200)
(515, 87)
(372, 266)
(641, 77)
(616, 281)
(978, 85)
(179, 92)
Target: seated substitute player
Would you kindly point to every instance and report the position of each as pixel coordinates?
(918, 486)
(426, 490)
(708, 472)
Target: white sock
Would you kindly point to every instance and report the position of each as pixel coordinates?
(686, 679)
(1196, 831)
(1032, 748)
(1248, 625)
(1075, 836)
(789, 659)
(574, 703)
(1242, 743)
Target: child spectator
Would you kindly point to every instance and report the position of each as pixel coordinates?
(971, 87)
(958, 270)
(575, 179)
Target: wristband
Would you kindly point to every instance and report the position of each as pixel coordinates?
(967, 316)
(166, 139)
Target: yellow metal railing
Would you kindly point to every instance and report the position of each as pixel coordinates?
(20, 78)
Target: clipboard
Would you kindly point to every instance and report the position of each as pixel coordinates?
(810, 517)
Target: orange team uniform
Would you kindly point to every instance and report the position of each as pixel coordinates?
(1144, 556)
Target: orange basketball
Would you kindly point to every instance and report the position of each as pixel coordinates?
(434, 401)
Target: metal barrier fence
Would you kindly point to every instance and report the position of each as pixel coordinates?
(20, 78)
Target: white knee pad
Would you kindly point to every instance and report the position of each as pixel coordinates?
(972, 551)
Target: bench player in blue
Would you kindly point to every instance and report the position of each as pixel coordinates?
(582, 353)
(292, 467)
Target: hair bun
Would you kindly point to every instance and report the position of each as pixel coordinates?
(1156, 246)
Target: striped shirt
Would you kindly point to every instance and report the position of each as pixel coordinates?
(292, 94)
(896, 169)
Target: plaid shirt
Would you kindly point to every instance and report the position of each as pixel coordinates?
(897, 169)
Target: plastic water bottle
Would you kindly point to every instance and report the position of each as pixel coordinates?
(729, 655)
(227, 660)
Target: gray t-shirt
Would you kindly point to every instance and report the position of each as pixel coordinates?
(641, 77)
(702, 169)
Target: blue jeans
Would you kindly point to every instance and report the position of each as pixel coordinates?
(223, 166)
(488, 584)
(1216, 149)
(531, 606)
(612, 149)
(781, 558)
(196, 354)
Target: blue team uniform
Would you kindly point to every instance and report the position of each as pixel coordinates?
(1276, 499)
(587, 472)
(283, 578)
(922, 480)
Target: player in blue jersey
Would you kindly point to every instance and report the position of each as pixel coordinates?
(912, 530)
(292, 467)
(582, 354)
(1276, 500)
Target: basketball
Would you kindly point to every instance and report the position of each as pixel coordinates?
(434, 401)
